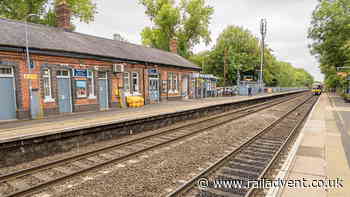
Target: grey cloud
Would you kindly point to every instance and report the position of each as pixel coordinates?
(288, 21)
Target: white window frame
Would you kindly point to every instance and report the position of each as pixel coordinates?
(176, 83)
(137, 84)
(91, 76)
(126, 82)
(63, 76)
(7, 75)
(170, 82)
(48, 98)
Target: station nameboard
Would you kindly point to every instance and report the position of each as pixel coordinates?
(80, 73)
(152, 71)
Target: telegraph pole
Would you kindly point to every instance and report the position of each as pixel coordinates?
(263, 28)
(225, 65)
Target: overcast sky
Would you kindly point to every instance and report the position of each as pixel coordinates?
(288, 21)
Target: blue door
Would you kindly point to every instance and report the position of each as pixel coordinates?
(103, 93)
(35, 104)
(184, 88)
(154, 90)
(7, 99)
(64, 95)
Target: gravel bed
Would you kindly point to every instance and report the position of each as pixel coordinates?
(5, 188)
(91, 147)
(31, 180)
(88, 148)
(151, 172)
(160, 171)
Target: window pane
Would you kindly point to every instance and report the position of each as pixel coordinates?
(5, 71)
(91, 81)
(135, 82)
(47, 87)
(126, 82)
(102, 75)
(62, 73)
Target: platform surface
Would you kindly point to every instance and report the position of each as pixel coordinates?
(19, 130)
(323, 153)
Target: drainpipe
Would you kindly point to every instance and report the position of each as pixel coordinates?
(144, 85)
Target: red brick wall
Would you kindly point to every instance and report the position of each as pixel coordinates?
(115, 80)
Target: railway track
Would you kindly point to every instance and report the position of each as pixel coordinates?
(236, 173)
(27, 181)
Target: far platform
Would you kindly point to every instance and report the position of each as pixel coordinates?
(322, 151)
(20, 130)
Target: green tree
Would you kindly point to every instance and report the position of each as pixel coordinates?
(330, 30)
(243, 53)
(239, 48)
(188, 23)
(84, 10)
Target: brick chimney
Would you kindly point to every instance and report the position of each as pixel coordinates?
(173, 45)
(63, 13)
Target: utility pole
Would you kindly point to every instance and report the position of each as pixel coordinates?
(238, 74)
(263, 28)
(225, 65)
(28, 62)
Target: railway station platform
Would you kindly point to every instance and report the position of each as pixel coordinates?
(26, 129)
(322, 152)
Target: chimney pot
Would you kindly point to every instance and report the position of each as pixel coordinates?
(63, 14)
(173, 45)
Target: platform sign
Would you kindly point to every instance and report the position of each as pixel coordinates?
(80, 73)
(152, 71)
(30, 76)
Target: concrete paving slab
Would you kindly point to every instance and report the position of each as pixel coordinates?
(304, 192)
(313, 139)
(322, 134)
(314, 166)
(28, 129)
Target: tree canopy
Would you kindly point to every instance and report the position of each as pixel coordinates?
(84, 10)
(187, 22)
(330, 33)
(242, 51)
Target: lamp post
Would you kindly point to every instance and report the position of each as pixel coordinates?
(27, 52)
(263, 28)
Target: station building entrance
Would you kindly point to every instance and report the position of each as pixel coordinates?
(64, 91)
(153, 76)
(7, 94)
(103, 90)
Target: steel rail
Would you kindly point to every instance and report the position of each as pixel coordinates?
(278, 154)
(191, 183)
(53, 164)
(24, 172)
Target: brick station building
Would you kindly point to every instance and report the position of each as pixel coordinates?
(73, 72)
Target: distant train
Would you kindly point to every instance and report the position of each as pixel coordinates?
(317, 89)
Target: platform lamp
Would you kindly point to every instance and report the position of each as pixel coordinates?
(263, 30)
(27, 52)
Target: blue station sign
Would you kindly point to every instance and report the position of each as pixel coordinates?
(153, 71)
(80, 73)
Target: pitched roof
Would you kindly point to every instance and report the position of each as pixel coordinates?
(49, 38)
